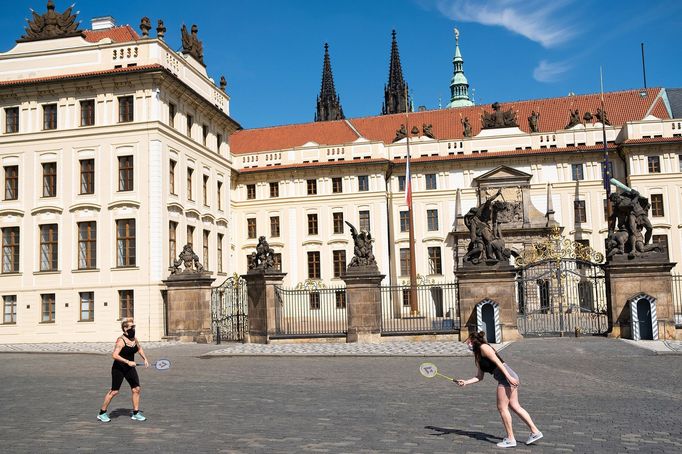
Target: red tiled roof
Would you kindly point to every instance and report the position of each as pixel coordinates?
(653, 139)
(122, 34)
(128, 69)
(285, 137)
(446, 123)
(315, 164)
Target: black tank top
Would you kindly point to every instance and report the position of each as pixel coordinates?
(127, 353)
(487, 365)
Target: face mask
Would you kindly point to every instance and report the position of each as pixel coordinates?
(470, 347)
(130, 334)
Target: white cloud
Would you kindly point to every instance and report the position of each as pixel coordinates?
(549, 72)
(537, 20)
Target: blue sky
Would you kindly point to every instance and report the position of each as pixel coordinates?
(271, 51)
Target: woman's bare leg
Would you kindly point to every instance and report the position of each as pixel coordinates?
(503, 408)
(513, 395)
(136, 398)
(107, 398)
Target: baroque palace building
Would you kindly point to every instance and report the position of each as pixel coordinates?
(117, 150)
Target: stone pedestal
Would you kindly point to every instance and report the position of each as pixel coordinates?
(260, 286)
(189, 306)
(363, 297)
(496, 283)
(628, 279)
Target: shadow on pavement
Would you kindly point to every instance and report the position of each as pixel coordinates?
(469, 433)
(120, 412)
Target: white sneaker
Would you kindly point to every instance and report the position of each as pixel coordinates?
(534, 437)
(507, 443)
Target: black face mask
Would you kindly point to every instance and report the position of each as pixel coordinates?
(130, 334)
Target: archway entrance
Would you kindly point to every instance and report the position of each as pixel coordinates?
(646, 331)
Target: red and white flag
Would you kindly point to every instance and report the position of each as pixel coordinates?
(408, 183)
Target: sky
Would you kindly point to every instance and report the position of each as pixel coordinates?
(271, 52)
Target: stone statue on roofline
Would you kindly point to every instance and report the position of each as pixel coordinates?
(160, 30)
(191, 44)
(400, 133)
(574, 119)
(466, 126)
(145, 26)
(427, 129)
(498, 118)
(51, 25)
(533, 121)
(601, 117)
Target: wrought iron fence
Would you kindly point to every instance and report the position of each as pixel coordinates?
(229, 310)
(437, 309)
(677, 298)
(310, 312)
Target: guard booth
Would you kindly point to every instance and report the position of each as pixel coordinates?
(488, 320)
(644, 322)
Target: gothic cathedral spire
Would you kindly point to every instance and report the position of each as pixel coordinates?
(459, 86)
(396, 91)
(328, 102)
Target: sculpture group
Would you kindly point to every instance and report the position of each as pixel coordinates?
(189, 259)
(362, 249)
(486, 243)
(628, 220)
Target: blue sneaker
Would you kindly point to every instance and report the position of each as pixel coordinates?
(138, 416)
(103, 417)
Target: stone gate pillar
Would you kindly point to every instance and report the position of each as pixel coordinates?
(260, 287)
(363, 297)
(189, 300)
(626, 279)
(496, 283)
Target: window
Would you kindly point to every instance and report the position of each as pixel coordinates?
(662, 241)
(11, 182)
(87, 176)
(401, 183)
(219, 194)
(11, 119)
(312, 224)
(250, 191)
(364, 220)
(50, 116)
(190, 171)
(190, 123)
(311, 186)
(126, 304)
(313, 265)
(431, 181)
(406, 297)
(337, 185)
(171, 115)
(432, 220)
(314, 299)
(405, 262)
(339, 258)
(125, 173)
(49, 179)
(579, 211)
(363, 183)
(219, 258)
(190, 236)
(172, 241)
(171, 176)
(654, 164)
(219, 141)
(125, 242)
(10, 249)
(340, 297)
(9, 304)
(404, 221)
(577, 172)
(204, 134)
(251, 228)
(47, 307)
(125, 109)
(657, 205)
(87, 306)
(274, 226)
(205, 189)
(48, 247)
(435, 262)
(207, 235)
(87, 245)
(277, 261)
(274, 189)
(337, 219)
(88, 112)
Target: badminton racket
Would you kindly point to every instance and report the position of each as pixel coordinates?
(161, 364)
(429, 370)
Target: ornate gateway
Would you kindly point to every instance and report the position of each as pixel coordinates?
(561, 289)
(229, 310)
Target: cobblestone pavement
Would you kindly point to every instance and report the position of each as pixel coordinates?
(587, 395)
(675, 346)
(75, 347)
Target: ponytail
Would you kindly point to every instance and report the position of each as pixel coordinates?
(477, 339)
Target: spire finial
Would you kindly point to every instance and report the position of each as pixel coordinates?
(459, 86)
(456, 37)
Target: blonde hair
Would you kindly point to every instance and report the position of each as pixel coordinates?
(124, 322)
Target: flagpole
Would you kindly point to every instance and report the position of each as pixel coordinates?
(414, 304)
(606, 173)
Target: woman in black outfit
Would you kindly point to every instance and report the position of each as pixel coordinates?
(124, 367)
(487, 360)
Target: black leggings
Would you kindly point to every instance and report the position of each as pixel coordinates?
(117, 376)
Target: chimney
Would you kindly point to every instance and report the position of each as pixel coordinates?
(103, 22)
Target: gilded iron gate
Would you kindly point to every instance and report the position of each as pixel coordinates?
(229, 310)
(561, 289)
